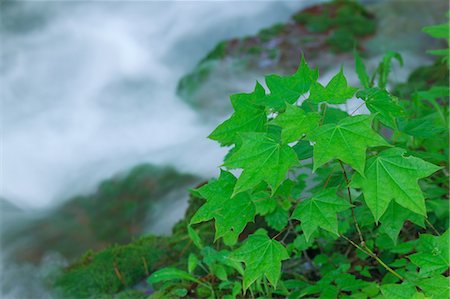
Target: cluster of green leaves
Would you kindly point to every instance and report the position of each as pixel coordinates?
(346, 205)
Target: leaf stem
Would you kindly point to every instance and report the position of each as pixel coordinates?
(370, 253)
(432, 227)
(361, 238)
(283, 230)
(357, 108)
(323, 114)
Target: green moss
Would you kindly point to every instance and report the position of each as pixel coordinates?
(111, 270)
(217, 53)
(344, 20)
(269, 33)
(190, 83)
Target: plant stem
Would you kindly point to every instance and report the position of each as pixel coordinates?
(357, 108)
(432, 227)
(361, 238)
(323, 114)
(370, 253)
(283, 230)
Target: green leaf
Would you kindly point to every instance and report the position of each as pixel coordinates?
(227, 132)
(334, 115)
(436, 286)
(222, 257)
(219, 271)
(263, 159)
(249, 117)
(385, 67)
(398, 291)
(435, 92)
(289, 88)
(320, 211)
(383, 104)
(394, 217)
(336, 92)
(390, 175)
(248, 102)
(432, 255)
(278, 219)
(264, 203)
(231, 214)
(421, 127)
(303, 149)
(262, 257)
(295, 123)
(179, 292)
(361, 71)
(167, 274)
(346, 141)
(192, 262)
(438, 31)
(195, 237)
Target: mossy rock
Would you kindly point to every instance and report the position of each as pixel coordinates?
(117, 212)
(113, 269)
(112, 272)
(336, 27)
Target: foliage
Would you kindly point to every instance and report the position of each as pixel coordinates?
(366, 224)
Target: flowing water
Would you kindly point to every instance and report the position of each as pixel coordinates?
(88, 89)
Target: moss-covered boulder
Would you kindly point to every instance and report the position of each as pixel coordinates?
(325, 33)
(117, 212)
(119, 271)
(334, 28)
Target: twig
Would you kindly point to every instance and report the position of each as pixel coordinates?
(323, 114)
(118, 274)
(432, 227)
(357, 108)
(329, 177)
(361, 239)
(282, 231)
(370, 253)
(145, 265)
(186, 247)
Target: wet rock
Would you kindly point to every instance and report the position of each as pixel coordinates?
(326, 34)
(323, 33)
(116, 213)
(119, 271)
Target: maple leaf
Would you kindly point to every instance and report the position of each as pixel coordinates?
(347, 141)
(432, 255)
(361, 71)
(262, 256)
(436, 286)
(264, 203)
(399, 291)
(295, 122)
(336, 92)
(231, 214)
(263, 159)
(320, 211)
(385, 106)
(289, 88)
(277, 219)
(394, 217)
(249, 116)
(390, 175)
